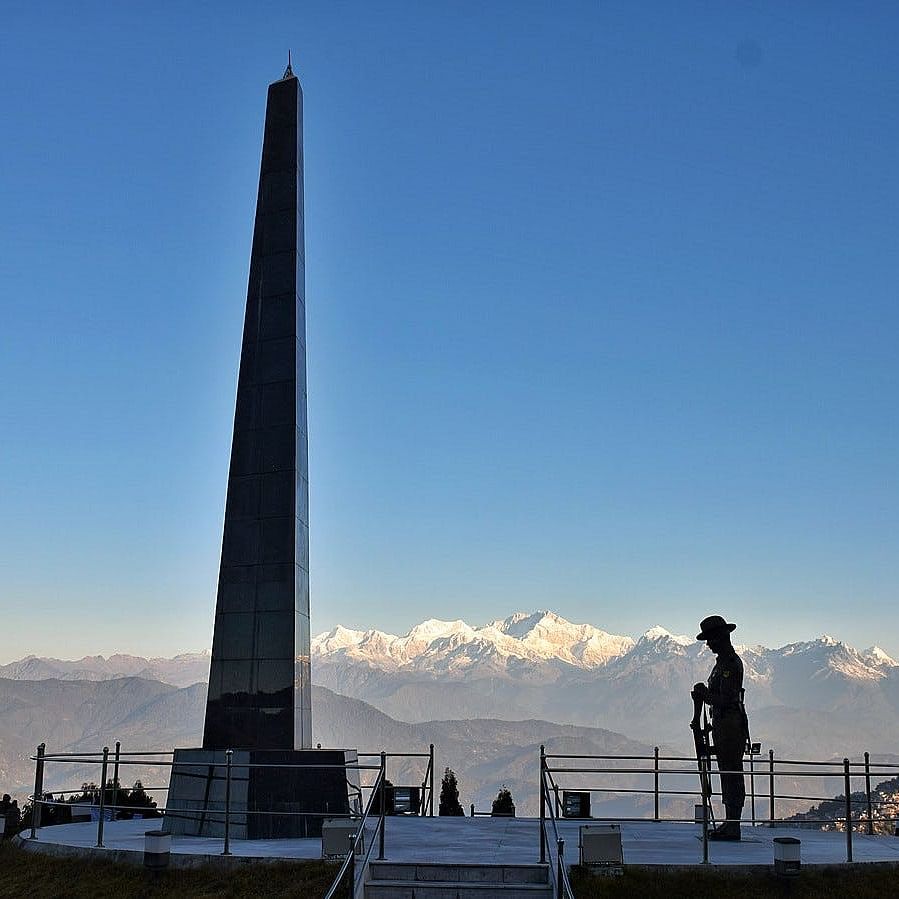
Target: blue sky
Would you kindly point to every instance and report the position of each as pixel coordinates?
(601, 297)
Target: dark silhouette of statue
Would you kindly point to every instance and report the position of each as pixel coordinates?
(730, 726)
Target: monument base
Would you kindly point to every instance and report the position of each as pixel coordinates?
(265, 802)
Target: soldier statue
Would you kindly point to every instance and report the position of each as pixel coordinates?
(730, 726)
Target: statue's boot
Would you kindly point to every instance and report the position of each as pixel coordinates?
(730, 829)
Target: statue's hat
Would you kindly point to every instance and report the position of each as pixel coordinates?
(712, 625)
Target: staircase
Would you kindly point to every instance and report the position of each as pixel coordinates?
(419, 880)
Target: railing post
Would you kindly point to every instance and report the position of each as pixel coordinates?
(560, 871)
(472, 810)
(38, 791)
(352, 868)
(752, 782)
(103, 772)
(847, 786)
(383, 806)
(229, 754)
(656, 782)
(431, 792)
(705, 828)
(771, 787)
(868, 794)
(542, 787)
(115, 778)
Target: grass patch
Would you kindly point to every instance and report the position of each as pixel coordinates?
(861, 882)
(37, 875)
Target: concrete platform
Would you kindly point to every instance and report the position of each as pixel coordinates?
(479, 840)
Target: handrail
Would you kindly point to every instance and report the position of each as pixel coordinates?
(837, 772)
(108, 790)
(861, 810)
(687, 758)
(351, 855)
(563, 888)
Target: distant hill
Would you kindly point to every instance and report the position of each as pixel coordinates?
(80, 715)
(180, 671)
(884, 806)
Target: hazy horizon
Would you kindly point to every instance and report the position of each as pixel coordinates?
(6, 656)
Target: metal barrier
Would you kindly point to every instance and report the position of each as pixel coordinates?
(164, 759)
(558, 872)
(791, 769)
(349, 863)
(426, 803)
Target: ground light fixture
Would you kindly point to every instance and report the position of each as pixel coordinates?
(786, 856)
(157, 849)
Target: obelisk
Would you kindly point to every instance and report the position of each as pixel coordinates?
(259, 688)
(256, 768)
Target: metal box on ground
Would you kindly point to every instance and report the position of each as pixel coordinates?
(336, 835)
(575, 804)
(600, 845)
(403, 800)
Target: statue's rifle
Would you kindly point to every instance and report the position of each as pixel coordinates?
(701, 729)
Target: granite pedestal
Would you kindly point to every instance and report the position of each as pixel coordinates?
(265, 802)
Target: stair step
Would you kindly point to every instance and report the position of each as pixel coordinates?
(435, 872)
(404, 889)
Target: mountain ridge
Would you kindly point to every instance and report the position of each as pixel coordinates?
(455, 647)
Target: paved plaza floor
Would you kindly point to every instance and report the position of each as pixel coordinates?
(485, 840)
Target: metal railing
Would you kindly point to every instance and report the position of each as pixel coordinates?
(426, 792)
(109, 789)
(558, 872)
(349, 863)
(858, 812)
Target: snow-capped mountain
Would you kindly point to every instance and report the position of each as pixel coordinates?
(543, 638)
(540, 665)
(454, 647)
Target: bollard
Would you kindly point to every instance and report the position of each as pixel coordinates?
(38, 791)
(472, 810)
(227, 848)
(157, 849)
(786, 856)
(103, 772)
